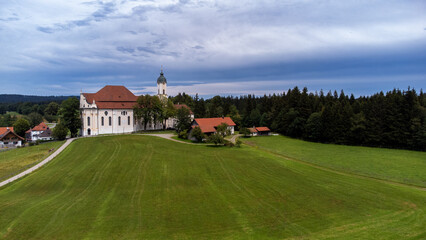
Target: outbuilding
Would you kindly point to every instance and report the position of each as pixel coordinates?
(263, 131)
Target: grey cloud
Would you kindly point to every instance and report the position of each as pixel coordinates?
(102, 13)
(99, 15)
(125, 49)
(145, 49)
(45, 29)
(198, 47)
(9, 19)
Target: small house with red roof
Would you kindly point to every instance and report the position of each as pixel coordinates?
(8, 138)
(39, 132)
(209, 125)
(259, 131)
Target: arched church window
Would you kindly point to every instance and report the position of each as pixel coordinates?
(128, 120)
(164, 91)
(110, 121)
(119, 121)
(102, 121)
(88, 121)
(106, 113)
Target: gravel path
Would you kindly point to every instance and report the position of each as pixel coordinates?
(30, 170)
(234, 138)
(169, 137)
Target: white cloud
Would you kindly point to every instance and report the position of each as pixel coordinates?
(227, 33)
(261, 87)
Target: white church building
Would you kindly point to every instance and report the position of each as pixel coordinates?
(110, 110)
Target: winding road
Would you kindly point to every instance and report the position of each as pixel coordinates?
(40, 164)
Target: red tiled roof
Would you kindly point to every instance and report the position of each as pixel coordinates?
(114, 97)
(208, 125)
(263, 129)
(9, 131)
(41, 127)
(111, 94)
(3, 130)
(252, 130)
(206, 128)
(179, 106)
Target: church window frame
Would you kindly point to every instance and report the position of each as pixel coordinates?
(88, 121)
(102, 121)
(128, 120)
(110, 121)
(119, 121)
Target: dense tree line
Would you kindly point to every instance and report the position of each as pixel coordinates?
(25, 115)
(396, 119)
(34, 112)
(17, 98)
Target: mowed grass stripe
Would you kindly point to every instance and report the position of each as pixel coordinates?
(130, 187)
(15, 161)
(403, 166)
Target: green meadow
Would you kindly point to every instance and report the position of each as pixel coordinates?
(404, 166)
(144, 187)
(17, 160)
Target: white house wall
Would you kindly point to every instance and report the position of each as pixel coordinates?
(119, 121)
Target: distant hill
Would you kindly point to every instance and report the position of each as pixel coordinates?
(15, 98)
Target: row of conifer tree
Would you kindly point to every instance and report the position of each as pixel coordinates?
(396, 119)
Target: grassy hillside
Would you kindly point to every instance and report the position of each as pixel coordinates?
(16, 160)
(141, 187)
(403, 166)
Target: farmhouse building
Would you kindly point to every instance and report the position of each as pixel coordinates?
(110, 110)
(8, 138)
(209, 125)
(259, 131)
(39, 132)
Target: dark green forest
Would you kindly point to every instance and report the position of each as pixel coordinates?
(396, 119)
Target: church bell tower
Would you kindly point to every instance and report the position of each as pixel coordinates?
(162, 85)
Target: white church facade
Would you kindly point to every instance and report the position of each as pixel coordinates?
(110, 111)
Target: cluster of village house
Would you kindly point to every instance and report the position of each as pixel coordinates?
(110, 111)
(8, 138)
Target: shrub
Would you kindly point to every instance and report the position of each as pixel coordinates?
(197, 134)
(238, 143)
(183, 134)
(31, 144)
(216, 139)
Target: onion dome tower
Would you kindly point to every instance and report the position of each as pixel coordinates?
(162, 85)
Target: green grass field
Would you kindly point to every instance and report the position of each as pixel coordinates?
(17, 160)
(403, 166)
(143, 187)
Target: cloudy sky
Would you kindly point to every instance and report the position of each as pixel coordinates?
(51, 47)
